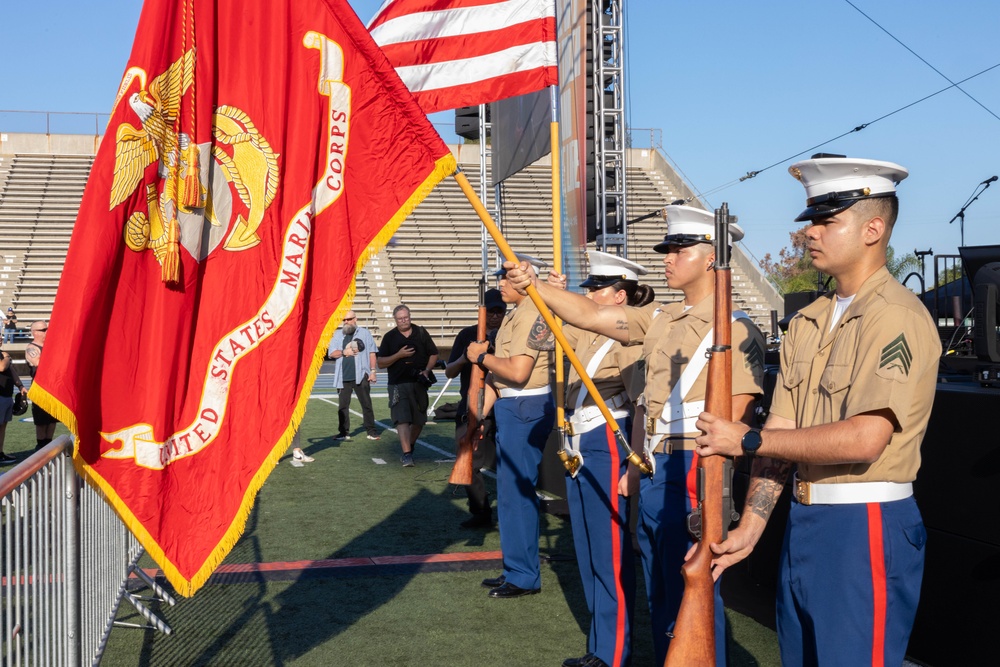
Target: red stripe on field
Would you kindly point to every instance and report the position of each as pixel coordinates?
(330, 563)
(437, 558)
(877, 555)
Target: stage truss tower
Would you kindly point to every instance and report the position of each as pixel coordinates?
(609, 123)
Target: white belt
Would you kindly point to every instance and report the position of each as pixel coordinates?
(510, 392)
(578, 424)
(616, 402)
(682, 419)
(810, 493)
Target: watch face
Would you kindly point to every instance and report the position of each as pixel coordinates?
(751, 441)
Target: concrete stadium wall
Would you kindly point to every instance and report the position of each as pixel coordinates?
(49, 144)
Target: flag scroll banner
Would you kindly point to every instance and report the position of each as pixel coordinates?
(258, 153)
(457, 53)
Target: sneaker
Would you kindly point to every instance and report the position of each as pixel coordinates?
(6, 459)
(343, 436)
(407, 460)
(296, 463)
(302, 456)
(374, 437)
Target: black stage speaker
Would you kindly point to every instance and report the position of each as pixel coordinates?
(987, 293)
(467, 121)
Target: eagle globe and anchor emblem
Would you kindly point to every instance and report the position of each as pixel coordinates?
(212, 193)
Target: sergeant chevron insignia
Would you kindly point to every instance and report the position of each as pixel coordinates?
(895, 358)
(753, 356)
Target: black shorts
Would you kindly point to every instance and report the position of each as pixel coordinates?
(41, 417)
(408, 403)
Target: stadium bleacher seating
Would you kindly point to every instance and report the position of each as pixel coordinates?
(432, 264)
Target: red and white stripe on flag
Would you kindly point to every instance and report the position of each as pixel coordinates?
(456, 53)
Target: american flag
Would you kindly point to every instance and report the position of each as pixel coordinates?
(456, 53)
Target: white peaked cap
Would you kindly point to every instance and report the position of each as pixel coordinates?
(687, 225)
(835, 183)
(537, 263)
(607, 269)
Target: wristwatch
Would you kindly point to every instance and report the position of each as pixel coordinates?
(751, 442)
(480, 359)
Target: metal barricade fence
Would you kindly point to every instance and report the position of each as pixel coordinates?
(65, 561)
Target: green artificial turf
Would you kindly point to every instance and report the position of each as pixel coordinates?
(345, 504)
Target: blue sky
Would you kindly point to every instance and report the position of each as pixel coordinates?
(736, 86)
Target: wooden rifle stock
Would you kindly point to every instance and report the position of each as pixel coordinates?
(461, 471)
(693, 643)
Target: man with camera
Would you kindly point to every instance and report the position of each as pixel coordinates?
(353, 348)
(409, 354)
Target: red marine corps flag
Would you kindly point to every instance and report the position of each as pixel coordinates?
(258, 152)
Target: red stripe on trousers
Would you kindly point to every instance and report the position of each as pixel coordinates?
(877, 555)
(692, 480)
(616, 546)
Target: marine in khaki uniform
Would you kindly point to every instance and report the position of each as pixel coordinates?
(858, 373)
(673, 338)
(525, 414)
(600, 517)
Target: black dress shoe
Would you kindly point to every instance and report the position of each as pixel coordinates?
(577, 662)
(594, 661)
(509, 590)
(481, 520)
(494, 582)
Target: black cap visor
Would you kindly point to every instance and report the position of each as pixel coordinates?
(835, 202)
(680, 240)
(600, 282)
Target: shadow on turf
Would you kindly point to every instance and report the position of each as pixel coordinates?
(250, 624)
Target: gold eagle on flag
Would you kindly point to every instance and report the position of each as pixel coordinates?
(196, 189)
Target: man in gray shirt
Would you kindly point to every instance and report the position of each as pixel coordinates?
(354, 348)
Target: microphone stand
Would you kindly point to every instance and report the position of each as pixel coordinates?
(960, 216)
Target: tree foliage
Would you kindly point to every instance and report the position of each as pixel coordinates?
(792, 270)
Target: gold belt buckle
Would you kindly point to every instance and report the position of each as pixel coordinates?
(650, 425)
(803, 492)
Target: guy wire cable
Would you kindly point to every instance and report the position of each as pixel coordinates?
(752, 174)
(940, 73)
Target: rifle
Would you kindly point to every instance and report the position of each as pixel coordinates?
(693, 643)
(461, 471)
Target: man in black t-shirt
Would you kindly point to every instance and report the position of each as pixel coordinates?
(407, 352)
(484, 454)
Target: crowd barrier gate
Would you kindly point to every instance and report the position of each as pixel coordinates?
(66, 563)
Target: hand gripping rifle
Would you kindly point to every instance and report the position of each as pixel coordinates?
(461, 472)
(553, 325)
(693, 643)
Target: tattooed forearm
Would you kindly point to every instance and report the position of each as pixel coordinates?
(766, 483)
(621, 325)
(771, 469)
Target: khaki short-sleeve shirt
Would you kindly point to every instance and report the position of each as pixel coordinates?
(669, 342)
(613, 374)
(524, 332)
(883, 354)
